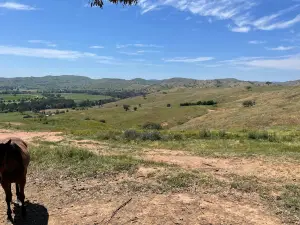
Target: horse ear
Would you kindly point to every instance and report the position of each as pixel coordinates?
(8, 142)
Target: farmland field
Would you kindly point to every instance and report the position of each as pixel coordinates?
(227, 163)
(81, 97)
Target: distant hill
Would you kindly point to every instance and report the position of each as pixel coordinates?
(81, 82)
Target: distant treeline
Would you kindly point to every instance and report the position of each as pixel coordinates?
(209, 102)
(39, 104)
(120, 94)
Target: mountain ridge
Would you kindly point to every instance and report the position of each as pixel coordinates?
(83, 82)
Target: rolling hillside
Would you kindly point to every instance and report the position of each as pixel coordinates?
(81, 83)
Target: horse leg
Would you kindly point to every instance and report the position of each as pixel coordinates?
(8, 194)
(18, 194)
(22, 196)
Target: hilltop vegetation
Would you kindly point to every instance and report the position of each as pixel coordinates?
(71, 82)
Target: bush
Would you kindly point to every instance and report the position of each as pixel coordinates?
(131, 135)
(168, 105)
(102, 121)
(249, 103)
(152, 126)
(151, 136)
(262, 135)
(135, 108)
(126, 107)
(87, 118)
(204, 133)
(27, 116)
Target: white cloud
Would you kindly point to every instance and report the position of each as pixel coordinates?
(129, 53)
(188, 18)
(139, 52)
(290, 63)
(49, 53)
(16, 6)
(240, 12)
(282, 48)
(96, 47)
(188, 60)
(256, 42)
(139, 46)
(48, 43)
(240, 29)
(285, 62)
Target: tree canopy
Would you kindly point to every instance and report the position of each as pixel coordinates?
(99, 3)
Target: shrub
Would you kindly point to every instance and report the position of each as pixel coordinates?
(204, 133)
(135, 108)
(151, 136)
(249, 103)
(87, 118)
(263, 135)
(248, 88)
(140, 105)
(152, 126)
(168, 105)
(102, 121)
(27, 116)
(126, 107)
(178, 137)
(131, 135)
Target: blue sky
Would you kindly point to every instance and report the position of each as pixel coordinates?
(156, 39)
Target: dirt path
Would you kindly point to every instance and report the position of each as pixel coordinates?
(64, 200)
(93, 201)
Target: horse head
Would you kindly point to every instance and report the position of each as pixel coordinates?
(4, 147)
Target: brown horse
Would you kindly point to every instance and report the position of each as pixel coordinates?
(14, 160)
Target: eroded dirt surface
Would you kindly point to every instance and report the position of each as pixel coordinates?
(93, 201)
(64, 200)
(240, 166)
(31, 136)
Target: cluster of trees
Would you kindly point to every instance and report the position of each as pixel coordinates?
(50, 102)
(120, 94)
(209, 102)
(36, 105)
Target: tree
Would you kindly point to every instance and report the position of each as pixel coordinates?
(126, 107)
(268, 83)
(99, 3)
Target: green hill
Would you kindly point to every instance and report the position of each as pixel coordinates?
(86, 83)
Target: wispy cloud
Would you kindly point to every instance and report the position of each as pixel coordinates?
(282, 48)
(47, 43)
(188, 60)
(96, 47)
(239, 12)
(188, 18)
(240, 29)
(16, 6)
(139, 46)
(288, 63)
(49, 53)
(256, 42)
(139, 52)
(285, 62)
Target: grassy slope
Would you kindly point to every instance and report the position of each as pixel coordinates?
(276, 107)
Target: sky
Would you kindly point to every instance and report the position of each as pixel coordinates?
(155, 39)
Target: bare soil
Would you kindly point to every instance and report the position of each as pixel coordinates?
(65, 200)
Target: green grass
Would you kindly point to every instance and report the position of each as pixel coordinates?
(80, 97)
(16, 97)
(79, 162)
